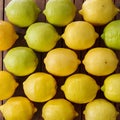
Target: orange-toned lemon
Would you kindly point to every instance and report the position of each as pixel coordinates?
(8, 35)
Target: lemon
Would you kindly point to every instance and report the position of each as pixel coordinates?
(111, 35)
(98, 12)
(60, 12)
(111, 87)
(80, 88)
(40, 87)
(58, 109)
(22, 12)
(79, 35)
(61, 61)
(21, 61)
(8, 35)
(8, 85)
(100, 61)
(41, 36)
(18, 108)
(100, 109)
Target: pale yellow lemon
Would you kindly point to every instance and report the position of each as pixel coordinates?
(61, 61)
(98, 12)
(80, 35)
(58, 109)
(100, 61)
(100, 109)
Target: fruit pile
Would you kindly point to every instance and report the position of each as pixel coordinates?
(59, 70)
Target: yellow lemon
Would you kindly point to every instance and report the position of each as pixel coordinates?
(79, 35)
(8, 85)
(8, 35)
(98, 12)
(60, 12)
(61, 61)
(100, 109)
(80, 88)
(18, 108)
(100, 61)
(40, 87)
(58, 109)
(111, 87)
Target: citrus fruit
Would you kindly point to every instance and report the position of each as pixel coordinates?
(8, 85)
(40, 87)
(59, 12)
(18, 108)
(79, 35)
(20, 61)
(111, 35)
(111, 87)
(8, 35)
(41, 36)
(98, 12)
(100, 61)
(58, 109)
(100, 109)
(80, 88)
(22, 12)
(61, 61)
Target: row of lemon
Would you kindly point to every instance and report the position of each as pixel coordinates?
(41, 87)
(60, 12)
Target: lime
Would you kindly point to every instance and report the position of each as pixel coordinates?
(8, 35)
(111, 35)
(79, 35)
(100, 109)
(41, 37)
(8, 85)
(111, 87)
(22, 12)
(100, 61)
(80, 88)
(40, 87)
(58, 109)
(60, 12)
(61, 61)
(21, 61)
(18, 108)
(98, 12)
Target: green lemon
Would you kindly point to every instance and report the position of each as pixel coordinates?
(111, 87)
(41, 37)
(79, 35)
(111, 35)
(40, 87)
(100, 109)
(61, 61)
(22, 12)
(80, 88)
(98, 12)
(18, 108)
(21, 61)
(58, 109)
(60, 12)
(100, 61)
